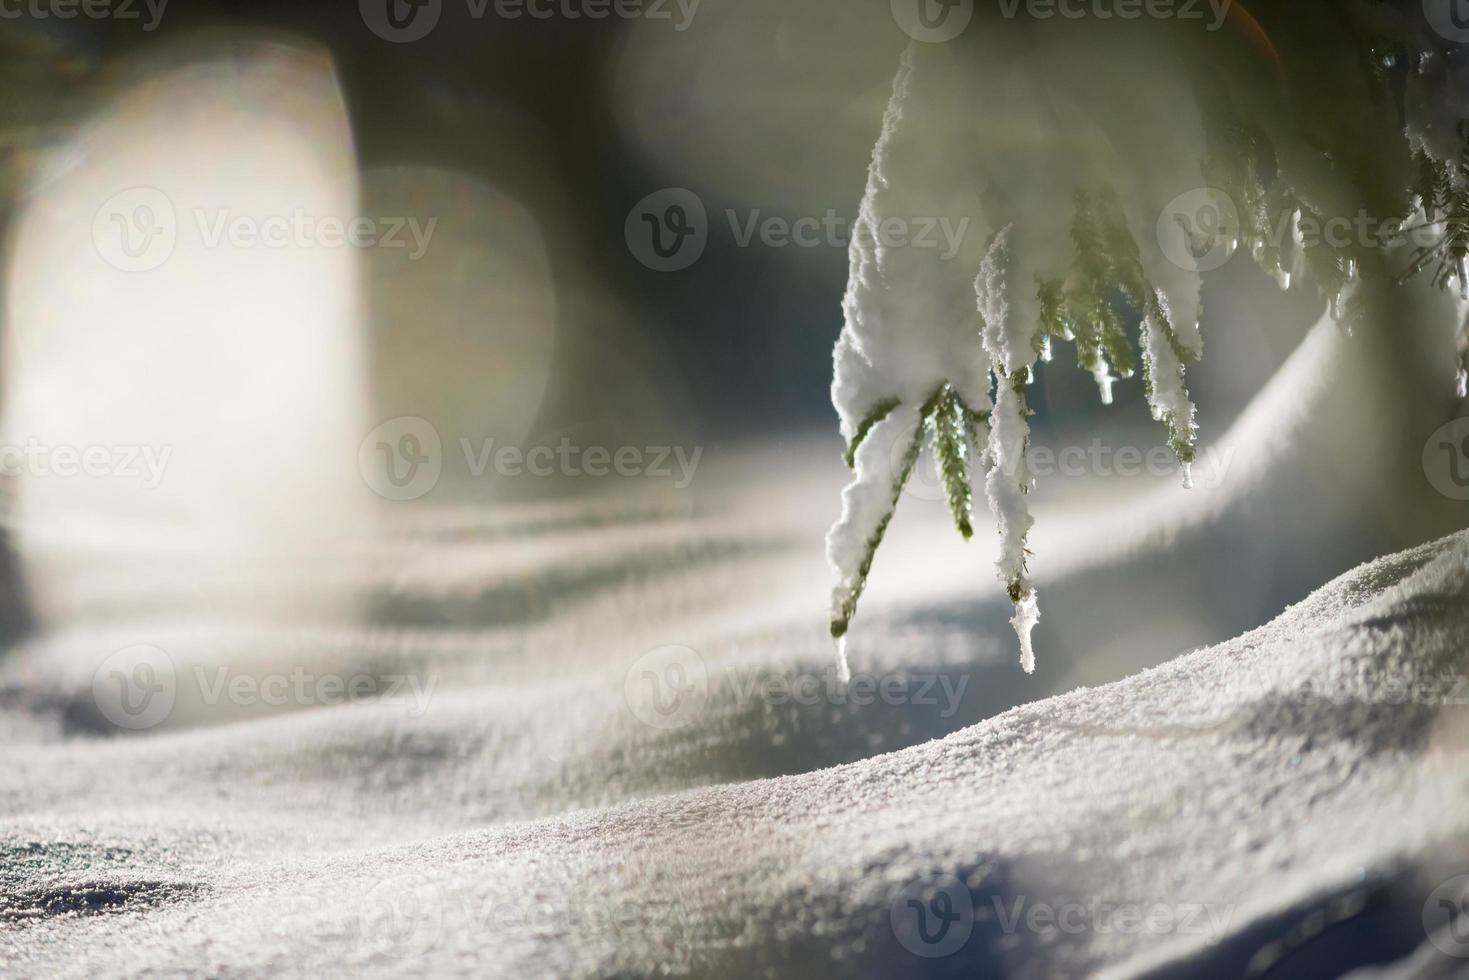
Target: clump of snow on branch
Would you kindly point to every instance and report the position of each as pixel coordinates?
(946, 343)
(1167, 394)
(1010, 341)
(881, 466)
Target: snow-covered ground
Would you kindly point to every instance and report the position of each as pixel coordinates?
(601, 732)
(603, 737)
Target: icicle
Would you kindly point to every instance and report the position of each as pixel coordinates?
(1464, 277)
(1292, 252)
(1462, 386)
(1027, 613)
(1188, 476)
(1046, 349)
(844, 669)
(1105, 381)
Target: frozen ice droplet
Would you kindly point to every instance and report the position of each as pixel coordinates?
(844, 670)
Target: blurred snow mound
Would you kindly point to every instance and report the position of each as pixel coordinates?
(1291, 801)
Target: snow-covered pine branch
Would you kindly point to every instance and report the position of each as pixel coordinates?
(1065, 151)
(944, 347)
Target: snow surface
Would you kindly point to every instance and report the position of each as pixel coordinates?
(1277, 791)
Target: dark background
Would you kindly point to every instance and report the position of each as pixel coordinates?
(747, 330)
(743, 337)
